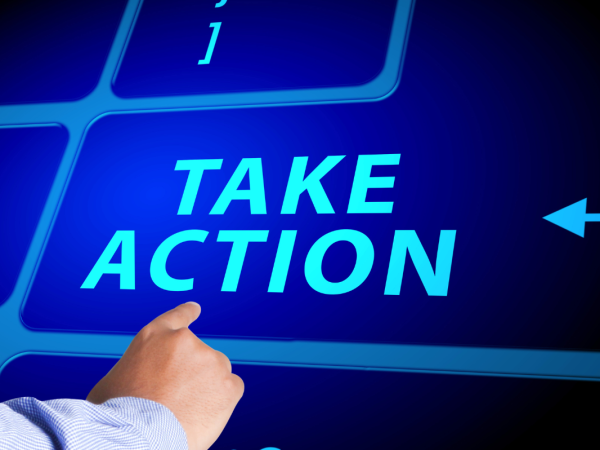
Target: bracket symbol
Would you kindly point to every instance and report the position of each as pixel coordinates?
(216, 26)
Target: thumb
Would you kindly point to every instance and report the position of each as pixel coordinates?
(180, 317)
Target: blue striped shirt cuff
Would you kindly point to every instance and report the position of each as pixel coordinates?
(125, 423)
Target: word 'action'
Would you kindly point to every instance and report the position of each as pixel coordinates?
(405, 241)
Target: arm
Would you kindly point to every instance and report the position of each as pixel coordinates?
(168, 391)
(126, 423)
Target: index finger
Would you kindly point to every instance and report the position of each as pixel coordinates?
(180, 317)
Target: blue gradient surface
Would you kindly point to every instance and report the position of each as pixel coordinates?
(298, 408)
(451, 176)
(29, 158)
(54, 50)
(507, 91)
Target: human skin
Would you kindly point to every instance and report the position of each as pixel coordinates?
(168, 364)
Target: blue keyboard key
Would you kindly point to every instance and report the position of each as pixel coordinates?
(54, 51)
(190, 46)
(29, 158)
(290, 408)
(117, 257)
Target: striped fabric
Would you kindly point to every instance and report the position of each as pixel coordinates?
(125, 423)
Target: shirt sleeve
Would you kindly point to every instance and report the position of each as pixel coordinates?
(125, 423)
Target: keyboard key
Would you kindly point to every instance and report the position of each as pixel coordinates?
(64, 376)
(299, 408)
(138, 204)
(53, 51)
(29, 158)
(189, 46)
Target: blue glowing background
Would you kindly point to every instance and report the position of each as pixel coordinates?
(494, 132)
(496, 120)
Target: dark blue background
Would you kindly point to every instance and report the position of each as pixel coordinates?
(54, 50)
(496, 121)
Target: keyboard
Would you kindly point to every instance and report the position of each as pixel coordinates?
(263, 159)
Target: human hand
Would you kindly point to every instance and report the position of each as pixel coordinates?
(168, 364)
